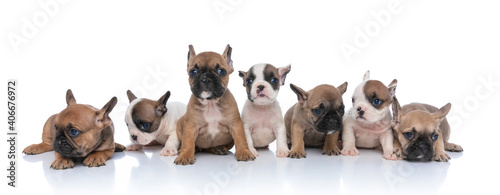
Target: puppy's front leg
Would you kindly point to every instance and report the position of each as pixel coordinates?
(98, 158)
(282, 150)
(331, 147)
(349, 141)
(238, 133)
(439, 154)
(189, 135)
(386, 140)
(397, 149)
(171, 146)
(298, 148)
(248, 135)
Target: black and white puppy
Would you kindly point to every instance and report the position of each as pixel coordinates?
(261, 115)
(152, 122)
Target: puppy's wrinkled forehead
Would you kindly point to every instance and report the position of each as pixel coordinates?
(325, 94)
(144, 111)
(420, 120)
(376, 89)
(208, 59)
(80, 116)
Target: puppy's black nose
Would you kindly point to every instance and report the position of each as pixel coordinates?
(360, 111)
(206, 79)
(260, 87)
(134, 137)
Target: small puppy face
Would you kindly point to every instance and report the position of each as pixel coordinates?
(323, 106)
(417, 131)
(79, 127)
(371, 99)
(143, 117)
(209, 73)
(263, 82)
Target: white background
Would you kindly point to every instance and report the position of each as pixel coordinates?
(440, 51)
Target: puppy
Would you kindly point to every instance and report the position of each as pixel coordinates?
(368, 123)
(212, 120)
(78, 131)
(152, 122)
(261, 115)
(316, 120)
(421, 132)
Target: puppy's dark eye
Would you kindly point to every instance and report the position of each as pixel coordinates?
(435, 137)
(73, 132)
(221, 72)
(193, 72)
(341, 109)
(377, 101)
(352, 100)
(408, 135)
(145, 126)
(274, 80)
(249, 81)
(317, 111)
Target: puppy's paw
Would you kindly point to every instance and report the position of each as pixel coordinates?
(282, 153)
(453, 147)
(133, 147)
(221, 150)
(62, 163)
(119, 147)
(441, 157)
(391, 156)
(244, 155)
(297, 154)
(254, 151)
(331, 151)
(184, 160)
(350, 151)
(168, 151)
(37, 149)
(95, 159)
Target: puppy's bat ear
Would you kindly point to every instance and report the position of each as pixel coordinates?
(131, 96)
(191, 53)
(70, 99)
(342, 88)
(367, 75)
(161, 107)
(103, 119)
(283, 71)
(242, 74)
(227, 56)
(301, 94)
(441, 113)
(392, 88)
(396, 112)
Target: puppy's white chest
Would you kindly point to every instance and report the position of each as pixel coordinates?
(212, 117)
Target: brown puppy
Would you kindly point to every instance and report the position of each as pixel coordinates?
(316, 120)
(421, 132)
(212, 120)
(78, 131)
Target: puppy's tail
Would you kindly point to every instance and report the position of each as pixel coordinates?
(119, 147)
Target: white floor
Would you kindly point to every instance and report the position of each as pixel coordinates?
(145, 171)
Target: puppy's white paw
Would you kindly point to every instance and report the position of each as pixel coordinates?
(391, 156)
(350, 151)
(133, 147)
(254, 151)
(168, 151)
(282, 153)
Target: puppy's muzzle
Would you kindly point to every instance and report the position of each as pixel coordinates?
(62, 145)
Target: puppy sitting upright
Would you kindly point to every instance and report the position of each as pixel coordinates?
(212, 120)
(368, 122)
(78, 131)
(261, 114)
(154, 122)
(316, 120)
(422, 132)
